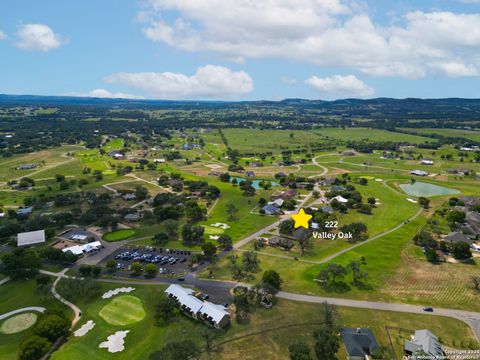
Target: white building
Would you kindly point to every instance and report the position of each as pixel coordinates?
(31, 238)
(340, 199)
(213, 314)
(84, 249)
(419, 172)
(426, 162)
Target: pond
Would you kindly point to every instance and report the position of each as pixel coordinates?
(425, 189)
(255, 183)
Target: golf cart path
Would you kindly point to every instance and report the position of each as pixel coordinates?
(3, 281)
(76, 310)
(25, 309)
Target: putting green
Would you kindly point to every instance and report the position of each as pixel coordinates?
(118, 235)
(123, 310)
(18, 323)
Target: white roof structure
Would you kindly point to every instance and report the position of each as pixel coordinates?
(426, 341)
(191, 302)
(31, 238)
(80, 249)
(178, 291)
(340, 199)
(186, 298)
(158, 160)
(214, 311)
(279, 202)
(79, 237)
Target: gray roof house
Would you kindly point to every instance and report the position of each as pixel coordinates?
(132, 217)
(270, 209)
(358, 342)
(424, 342)
(326, 208)
(456, 237)
(25, 210)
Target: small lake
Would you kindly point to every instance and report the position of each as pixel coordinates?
(255, 183)
(425, 189)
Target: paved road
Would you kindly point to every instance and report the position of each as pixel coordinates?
(471, 318)
(25, 309)
(220, 292)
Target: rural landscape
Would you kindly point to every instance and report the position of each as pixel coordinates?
(124, 236)
(240, 180)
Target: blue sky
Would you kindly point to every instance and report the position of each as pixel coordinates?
(239, 49)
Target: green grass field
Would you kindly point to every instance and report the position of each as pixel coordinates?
(267, 335)
(123, 310)
(118, 235)
(15, 295)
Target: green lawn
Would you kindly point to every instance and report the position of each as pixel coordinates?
(15, 295)
(118, 235)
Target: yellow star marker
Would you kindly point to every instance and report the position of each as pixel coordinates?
(301, 219)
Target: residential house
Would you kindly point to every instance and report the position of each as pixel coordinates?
(129, 196)
(31, 238)
(340, 199)
(27, 166)
(301, 233)
(419, 173)
(426, 343)
(249, 173)
(359, 343)
(161, 161)
(256, 164)
(328, 209)
(456, 237)
(270, 209)
(278, 202)
(470, 200)
(349, 153)
(25, 211)
(471, 228)
(281, 241)
(132, 217)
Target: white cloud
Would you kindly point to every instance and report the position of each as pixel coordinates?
(208, 82)
(37, 37)
(327, 33)
(102, 93)
(348, 85)
(3, 36)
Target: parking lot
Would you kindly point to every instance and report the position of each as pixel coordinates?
(169, 262)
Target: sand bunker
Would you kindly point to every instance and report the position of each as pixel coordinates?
(213, 166)
(412, 200)
(379, 180)
(117, 291)
(85, 328)
(116, 342)
(220, 225)
(214, 237)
